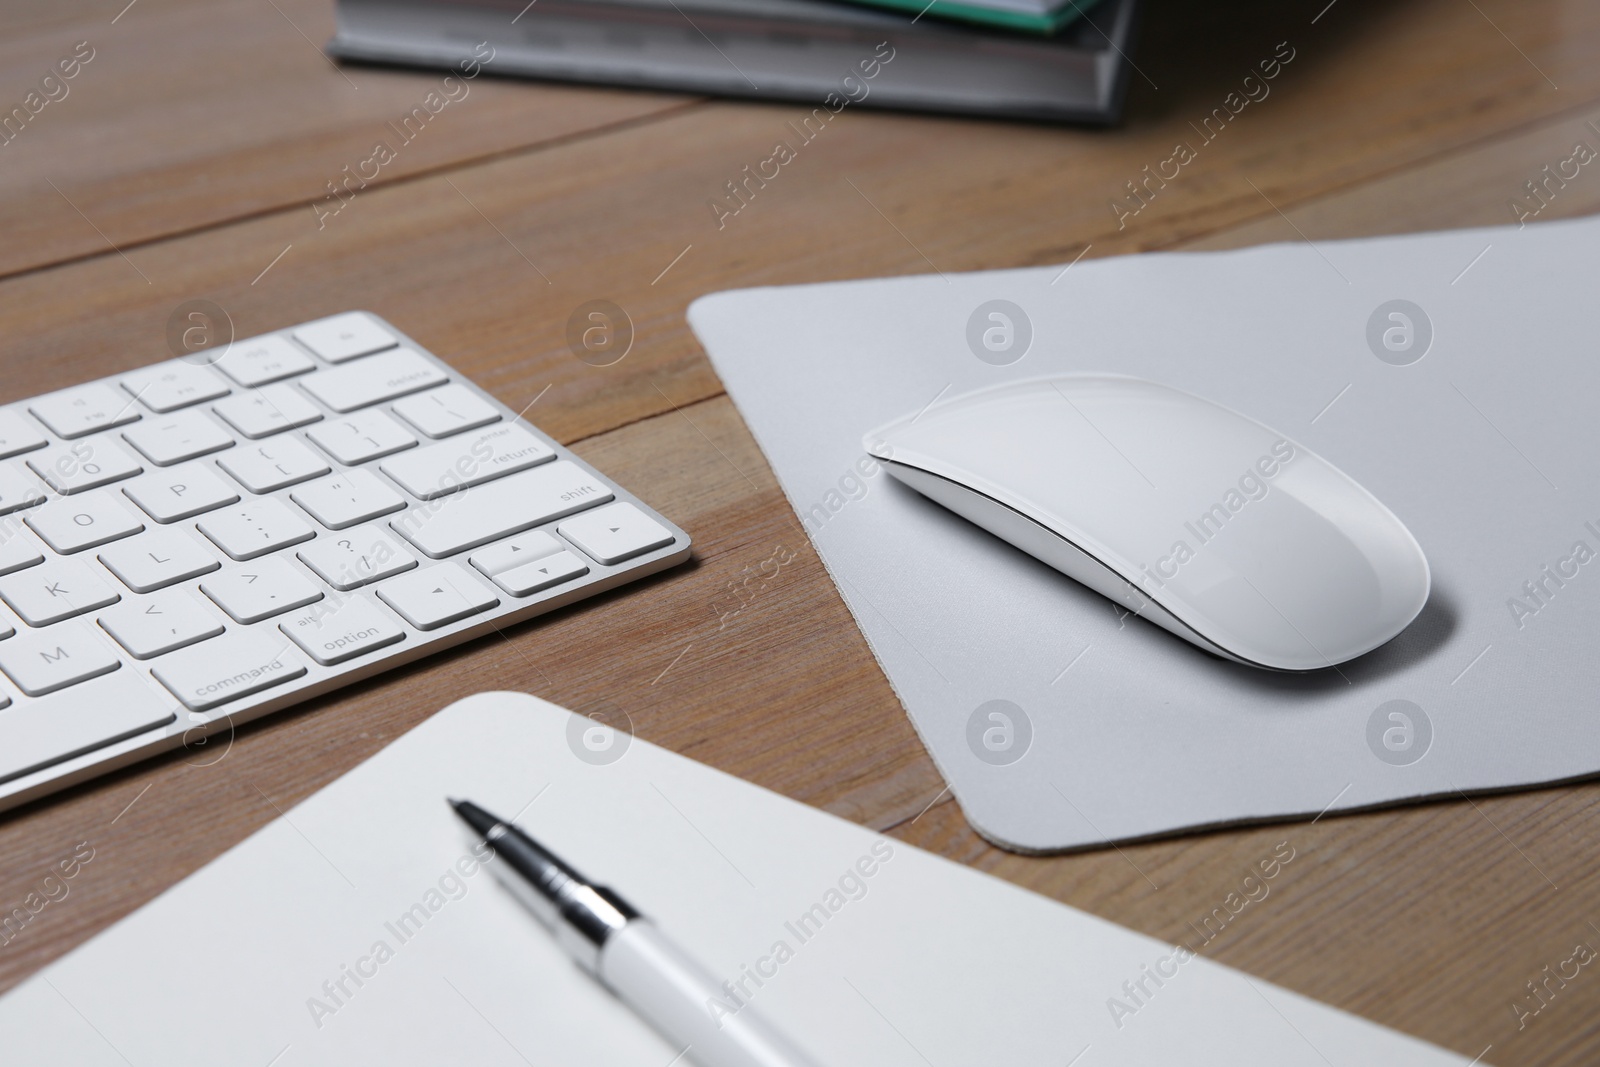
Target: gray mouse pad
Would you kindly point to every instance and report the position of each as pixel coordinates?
(1454, 375)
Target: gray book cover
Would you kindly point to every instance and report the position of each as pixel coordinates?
(815, 51)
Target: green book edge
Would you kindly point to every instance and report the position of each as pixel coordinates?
(972, 12)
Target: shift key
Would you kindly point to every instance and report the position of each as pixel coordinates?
(500, 508)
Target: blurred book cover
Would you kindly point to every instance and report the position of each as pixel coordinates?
(1048, 60)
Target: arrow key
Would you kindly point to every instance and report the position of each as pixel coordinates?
(437, 596)
(613, 534)
(541, 574)
(515, 551)
(152, 625)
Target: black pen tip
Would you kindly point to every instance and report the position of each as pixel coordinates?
(474, 816)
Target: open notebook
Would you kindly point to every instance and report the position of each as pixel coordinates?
(345, 932)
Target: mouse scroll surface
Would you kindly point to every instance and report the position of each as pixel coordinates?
(1247, 543)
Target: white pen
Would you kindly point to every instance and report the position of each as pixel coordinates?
(630, 956)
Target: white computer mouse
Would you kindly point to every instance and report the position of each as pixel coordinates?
(1207, 523)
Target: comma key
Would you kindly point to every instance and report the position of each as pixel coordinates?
(226, 668)
(150, 626)
(343, 632)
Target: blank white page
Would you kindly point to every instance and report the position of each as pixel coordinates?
(919, 962)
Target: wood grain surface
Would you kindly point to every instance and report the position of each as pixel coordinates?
(185, 164)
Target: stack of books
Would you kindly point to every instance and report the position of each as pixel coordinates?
(1052, 60)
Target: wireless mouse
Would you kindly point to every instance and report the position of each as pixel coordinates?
(1229, 534)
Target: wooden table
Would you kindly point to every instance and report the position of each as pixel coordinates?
(183, 165)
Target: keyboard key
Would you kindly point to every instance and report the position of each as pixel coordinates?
(43, 663)
(437, 596)
(158, 559)
(261, 590)
(19, 550)
(446, 410)
(86, 465)
(17, 435)
(90, 716)
(267, 411)
(83, 410)
(178, 437)
(356, 557)
(263, 359)
(254, 529)
(273, 465)
(500, 508)
(228, 667)
(18, 490)
(87, 521)
(346, 499)
(343, 337)
(344, 632)
(228, 530)
(541, 574)
(180, 492)
(56, 590)
(374, 379)
(616, 533)
(170, 386)
(360, 437)
(523, 548)
(151, 626)
(439, 470)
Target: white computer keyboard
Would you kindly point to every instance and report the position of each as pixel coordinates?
(203, 541)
